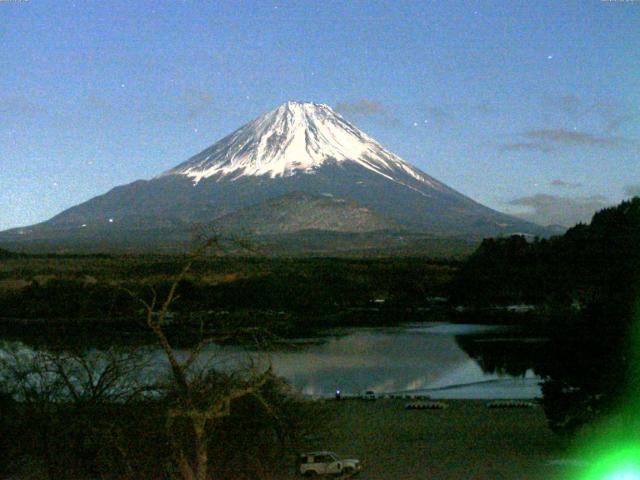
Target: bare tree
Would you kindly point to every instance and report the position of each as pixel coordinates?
(204, 398)
(106, 412)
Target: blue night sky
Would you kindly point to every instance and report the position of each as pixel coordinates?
(527, 107)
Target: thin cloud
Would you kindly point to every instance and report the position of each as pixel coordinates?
(562, 184)
(546, 209)
(484, 108)
(608, 113)
(197, 102)
(616, 121)
(453, 112)
(570, 104)
(611, 114)
(632, 190)
(367, 108)
(547, 140)
(17, 105)
(363, 106)
(190, 103)
(438, 115)
(525, 146)
(561, 136)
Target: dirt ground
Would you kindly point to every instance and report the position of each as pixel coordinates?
(463, 442)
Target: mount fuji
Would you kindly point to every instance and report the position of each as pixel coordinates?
(301, 168)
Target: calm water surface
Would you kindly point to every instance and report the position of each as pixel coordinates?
(437, 359)
(415, 359)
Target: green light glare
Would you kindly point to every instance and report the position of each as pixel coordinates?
(620, 464)
(611, 447)
(624, 475)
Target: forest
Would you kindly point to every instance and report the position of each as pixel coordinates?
(287, 296)
(587, 282)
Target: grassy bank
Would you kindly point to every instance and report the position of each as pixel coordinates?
(465, 441)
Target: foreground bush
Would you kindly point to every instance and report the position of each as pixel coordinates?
(86, 416)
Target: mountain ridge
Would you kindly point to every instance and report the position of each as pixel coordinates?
(297, 147)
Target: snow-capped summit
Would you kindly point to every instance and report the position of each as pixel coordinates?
(294, 138)
(301, 169)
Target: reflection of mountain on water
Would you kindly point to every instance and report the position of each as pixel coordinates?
(440, 360)
(383, 360)
(505, 353)
(429, 359)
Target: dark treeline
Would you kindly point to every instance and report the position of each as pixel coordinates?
(102, 288)
(588, 263)
(588, 279)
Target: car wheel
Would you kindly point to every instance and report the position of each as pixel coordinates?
(347, 470)
(310, 474)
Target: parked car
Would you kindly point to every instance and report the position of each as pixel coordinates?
(326, 463)
(369, 395)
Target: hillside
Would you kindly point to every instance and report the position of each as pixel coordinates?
(587, 264)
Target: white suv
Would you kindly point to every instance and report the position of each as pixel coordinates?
(327, 463)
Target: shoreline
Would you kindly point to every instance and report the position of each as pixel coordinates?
(465, 440)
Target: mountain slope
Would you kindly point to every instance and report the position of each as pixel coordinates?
(298, 147)
(299, 211)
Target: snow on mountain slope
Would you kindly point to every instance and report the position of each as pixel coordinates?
(275, 175)
(296, 138)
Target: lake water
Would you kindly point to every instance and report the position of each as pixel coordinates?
(415, 359)
(437, 359)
